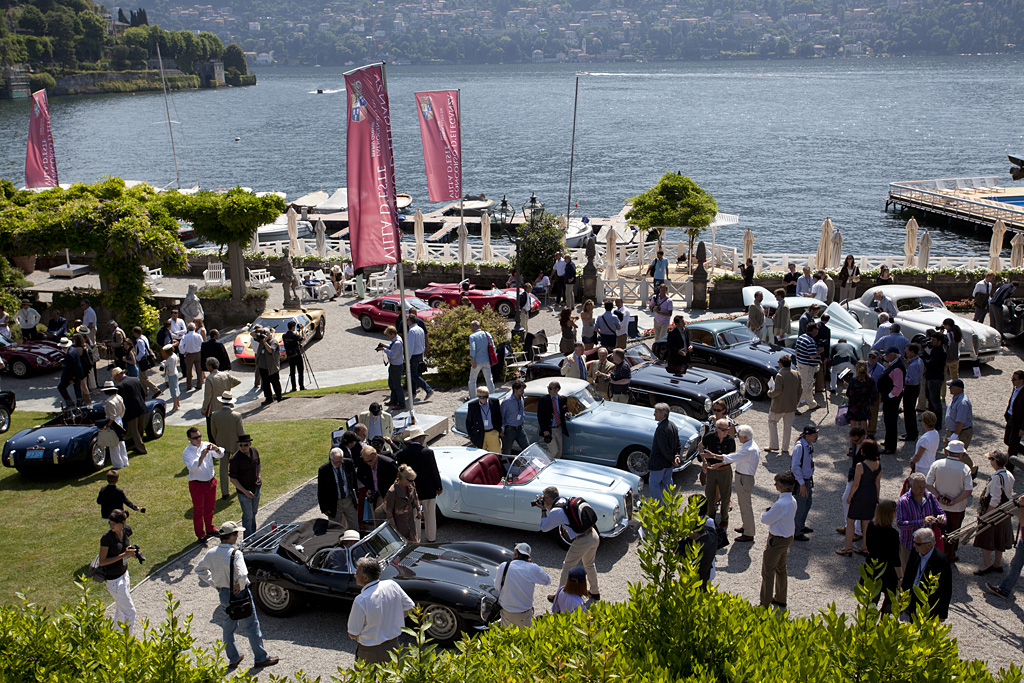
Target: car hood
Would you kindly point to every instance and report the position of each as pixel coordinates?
(694, 381)
(569, 475)
(37, 350)
(443, 563)
(49, 436)
(636, 419)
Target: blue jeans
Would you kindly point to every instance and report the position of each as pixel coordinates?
(249, 627)
(513, 436)
(417, 379)
(249, 508)
(1015, 566)
(659, 481)
(803, 505)
(395, 373)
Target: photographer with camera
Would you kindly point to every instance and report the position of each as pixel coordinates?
(115, 548)
(268, 363)
(395, 352)
(202, 484)
(375, 474)
(576, 519)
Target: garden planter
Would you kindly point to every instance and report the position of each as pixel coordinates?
(27, 264)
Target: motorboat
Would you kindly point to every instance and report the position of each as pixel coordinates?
(577, 232)
(335, 203)
(403, 201)
(472, 205)
(278, 230)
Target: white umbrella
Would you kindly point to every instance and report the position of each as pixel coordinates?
(748, 245)
(910, 243)
(321, 238)
(611, 256)
(342, 250)
(835, 257)
(293, 230)
(1017, 255)
(824, 245)
(421, 247)
(925, 251)
(485, 237)
(463, 248)
(998, 230)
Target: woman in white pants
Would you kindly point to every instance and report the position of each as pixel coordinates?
(115, 549)
(110, 438)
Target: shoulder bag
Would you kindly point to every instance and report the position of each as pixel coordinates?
(239, 606)
(98, 573)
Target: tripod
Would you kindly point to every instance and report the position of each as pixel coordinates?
(309, 367)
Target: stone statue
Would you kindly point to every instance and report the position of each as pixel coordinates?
(290, 280)
(191, 308)
(591, 248)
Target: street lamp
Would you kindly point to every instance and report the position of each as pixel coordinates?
(506, 213)
(533, 208)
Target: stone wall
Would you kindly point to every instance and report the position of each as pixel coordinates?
(90, 83)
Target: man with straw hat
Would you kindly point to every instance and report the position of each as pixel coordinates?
(111, 436)
(225, 429)
(244, 468)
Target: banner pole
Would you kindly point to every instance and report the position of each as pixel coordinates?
(462, 216)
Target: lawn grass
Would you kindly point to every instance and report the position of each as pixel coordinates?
(53, 524)
(359, 387)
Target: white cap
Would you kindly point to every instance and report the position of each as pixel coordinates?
(524, 549)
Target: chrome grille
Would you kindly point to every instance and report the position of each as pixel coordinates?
(733, 401)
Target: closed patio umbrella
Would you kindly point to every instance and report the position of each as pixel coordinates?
(925, 251)
(293, 230)
(485, 238)
(998, 230)
(821, 259)
(1017, 255)
(611, 256)
(321, 238)
(463, 248)
(421, 247)
(748, 245)
(835, 257)
(910, 243)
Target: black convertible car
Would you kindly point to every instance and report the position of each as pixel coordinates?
(71, 438)
(691, 390)
(452, 582)
(7, 405)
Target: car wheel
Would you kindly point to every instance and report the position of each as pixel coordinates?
(5, 419)
(19, 367)
(273, 599)
(635, 459)
(681, 409)
(436, 302)
(155, 428)
(753, 386)
(504, 308)
(445, 624)
(320, 328)
(97, 454)
(366, 322)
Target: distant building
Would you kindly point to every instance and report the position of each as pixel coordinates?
(254, 27)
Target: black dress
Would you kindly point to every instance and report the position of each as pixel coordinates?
(865, 498)
(883, 544)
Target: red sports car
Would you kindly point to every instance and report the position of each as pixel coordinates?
(383, 311)
(501, 300)
(30, 356)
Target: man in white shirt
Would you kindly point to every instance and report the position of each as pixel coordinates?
(745, 458)
(819, 290)
(216, 569)
(514, 580)
(558, 285)
(178, 328)
(883, 327)
(189, 347)
(202, 484)
(89, 319)
(417, 347)
(27, 318)
(949, 480)
(378, 613)
(780, 519)
(627, 317)
(982, 292)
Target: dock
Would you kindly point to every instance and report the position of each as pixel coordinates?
(978, 202)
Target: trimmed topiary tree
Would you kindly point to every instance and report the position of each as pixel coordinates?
(674, 202)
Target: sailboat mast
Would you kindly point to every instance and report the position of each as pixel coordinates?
(572, 151)
(167, 107)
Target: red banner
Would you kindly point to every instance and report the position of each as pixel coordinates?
(442, 143)
(40, 160)
(372, 214)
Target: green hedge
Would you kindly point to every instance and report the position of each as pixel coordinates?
(144, 84)
(41, 81)
(224, 292)
(240, 80)
(449, 340)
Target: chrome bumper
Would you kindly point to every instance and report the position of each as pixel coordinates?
(616, 530)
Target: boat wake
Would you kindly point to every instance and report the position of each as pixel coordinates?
(325, 91)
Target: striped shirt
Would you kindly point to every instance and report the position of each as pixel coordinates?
(806, 350)
(910, 516)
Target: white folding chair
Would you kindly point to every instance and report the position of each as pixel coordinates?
(214, 273)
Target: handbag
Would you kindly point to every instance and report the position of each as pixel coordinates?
(118, 429)
(492, 354)
(842, 417)
(98, 573)
(239, 606)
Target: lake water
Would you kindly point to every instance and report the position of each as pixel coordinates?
(783, 144)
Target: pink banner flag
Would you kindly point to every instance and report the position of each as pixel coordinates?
(40, 160)
(442, 143)
(372, 214)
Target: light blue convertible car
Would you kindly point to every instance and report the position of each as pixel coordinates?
(602, 432)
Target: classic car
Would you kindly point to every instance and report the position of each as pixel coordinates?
(919, 310)
(691, 391)
(7, 405)
(453, 582)
(492, 488)
(728, 346)
(501, 300)
(376, 314)
(309, 322)
(24, 358)
(841, 324)
(601, 432)
(70, 438)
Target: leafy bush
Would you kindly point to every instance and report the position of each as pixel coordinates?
(11, 276)
(41, 81)
(448, 332)
(224, 292)
(69, 300)
(541, 242)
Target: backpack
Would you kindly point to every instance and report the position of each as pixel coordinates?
(582, 517)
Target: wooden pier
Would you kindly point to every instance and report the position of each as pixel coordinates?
(979, 202)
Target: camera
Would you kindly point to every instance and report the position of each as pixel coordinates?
(258, 334)
(380, 347)
(538, 502)
(138, 553)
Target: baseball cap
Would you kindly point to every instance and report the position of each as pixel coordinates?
(524, 549)
(809, 429)
(578, 573)
(955, 383)
(892, 349)
(228, 528)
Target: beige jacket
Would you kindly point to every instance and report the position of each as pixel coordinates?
(216, 384)
(786, 394)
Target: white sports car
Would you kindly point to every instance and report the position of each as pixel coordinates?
(491, 488)
(920, 310)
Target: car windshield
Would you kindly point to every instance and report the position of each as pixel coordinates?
(528, 465)
(383, 544)
(735, 336)
(5, 342)
(493, 292)
(913, 303)
(278, 325)
(417, 304)
(639, 353)
(584, 398)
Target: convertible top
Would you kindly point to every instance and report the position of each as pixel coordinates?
(307, 538)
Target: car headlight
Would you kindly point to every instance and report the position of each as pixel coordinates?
(617, 513)
(44, 362)
(486, 607)
(707, 405)
(239, 348)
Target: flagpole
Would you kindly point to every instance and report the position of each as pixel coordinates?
(462, 216)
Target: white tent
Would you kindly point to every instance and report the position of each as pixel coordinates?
(910, 243)
(925, 251)
(996, 246)
(821, 259)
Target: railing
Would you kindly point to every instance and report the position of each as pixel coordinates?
(642, 290)
(941, 196)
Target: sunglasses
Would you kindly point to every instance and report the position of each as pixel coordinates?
(922, 543)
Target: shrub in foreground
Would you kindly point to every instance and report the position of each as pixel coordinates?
(448, 333)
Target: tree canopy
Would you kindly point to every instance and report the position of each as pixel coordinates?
(674, 202)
